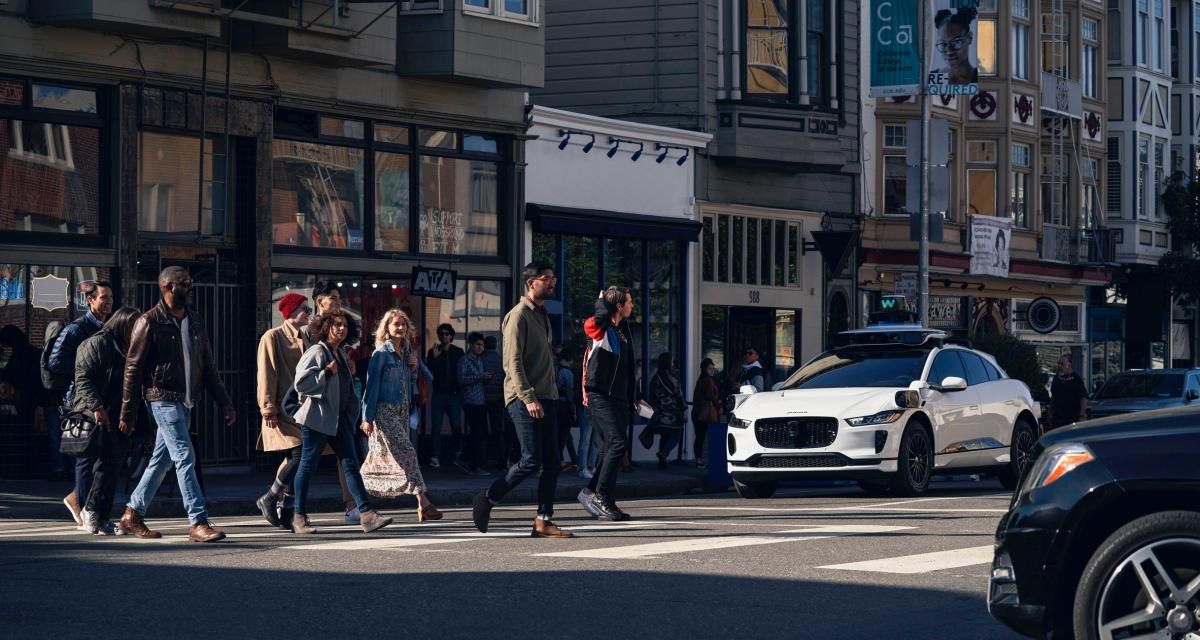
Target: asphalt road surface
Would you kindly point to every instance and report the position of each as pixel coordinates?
(809, 563)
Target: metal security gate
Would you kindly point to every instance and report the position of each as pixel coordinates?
(218, 300)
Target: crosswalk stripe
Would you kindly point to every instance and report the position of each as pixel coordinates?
(655, 549)
(922, 562)
(465, 536)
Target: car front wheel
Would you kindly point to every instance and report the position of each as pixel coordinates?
(755, 490)
(915, 463)
(1143, 581)
(1024, 439)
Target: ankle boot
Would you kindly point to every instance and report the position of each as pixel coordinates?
(300, 524)
(267, 505)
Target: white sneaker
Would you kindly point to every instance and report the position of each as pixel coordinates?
(91, 522)
(585, 498)
(434, 463)
(353, 516)
(586, 474)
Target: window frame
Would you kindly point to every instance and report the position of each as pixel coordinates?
(1090, 57)
(106, 206)
(495, 10)
(415, 152)
(1020, 173)
(883, 187)
(827, 77)
(1020, 49)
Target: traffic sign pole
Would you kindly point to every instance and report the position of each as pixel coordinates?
(923, 247)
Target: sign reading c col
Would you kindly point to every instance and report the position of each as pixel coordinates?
(435, 283)
(895, 57)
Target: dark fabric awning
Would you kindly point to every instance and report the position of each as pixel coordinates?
(596, 222)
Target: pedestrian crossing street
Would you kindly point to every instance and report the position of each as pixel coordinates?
(879, 536)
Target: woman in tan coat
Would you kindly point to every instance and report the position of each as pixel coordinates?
(279, 352)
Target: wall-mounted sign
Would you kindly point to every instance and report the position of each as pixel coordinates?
(1043, 315)
(50, 293)
(435, 283)
(989, 245)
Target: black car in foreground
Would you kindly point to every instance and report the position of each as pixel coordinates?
(1102, 539)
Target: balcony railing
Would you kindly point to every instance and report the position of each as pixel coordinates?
(1064, 244)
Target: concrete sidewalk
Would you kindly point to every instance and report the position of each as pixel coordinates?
(233, 494)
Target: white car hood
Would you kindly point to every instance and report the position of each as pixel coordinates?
(838, 403)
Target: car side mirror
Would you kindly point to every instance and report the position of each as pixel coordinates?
(747, 389)
(951, 384)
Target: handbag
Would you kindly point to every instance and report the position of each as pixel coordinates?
(79, 431)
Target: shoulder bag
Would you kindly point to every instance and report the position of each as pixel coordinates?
(79, 432)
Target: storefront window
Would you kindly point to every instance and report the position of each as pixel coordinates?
(392, 174)
(664, 299)
(579, 283)
(49, 177)
(458, 207)
(317, 196)
(169, 170)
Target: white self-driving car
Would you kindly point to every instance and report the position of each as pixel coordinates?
(890, 409)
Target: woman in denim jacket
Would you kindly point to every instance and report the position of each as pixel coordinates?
(391, 467)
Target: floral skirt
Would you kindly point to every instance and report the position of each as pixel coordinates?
(391, 467)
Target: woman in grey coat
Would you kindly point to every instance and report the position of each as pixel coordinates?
(329, 414)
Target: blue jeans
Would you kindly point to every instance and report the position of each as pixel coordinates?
(540, 454)
(172, 444)
(439, 405)
(345, 448)
(587, 448)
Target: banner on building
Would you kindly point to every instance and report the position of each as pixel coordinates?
(953, 52)
(895, 54)
(990, 238)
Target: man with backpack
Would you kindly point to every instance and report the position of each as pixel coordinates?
(58, 372)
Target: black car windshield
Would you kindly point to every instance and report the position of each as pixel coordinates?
(860, 367)
(1143, 385)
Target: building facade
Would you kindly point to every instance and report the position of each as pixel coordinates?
(1024, 168)
(776, 83)
(262, 144)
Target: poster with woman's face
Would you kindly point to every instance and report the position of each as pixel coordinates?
(953, 53)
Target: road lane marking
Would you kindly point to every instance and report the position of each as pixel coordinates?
(656, 549)
(863, 508)
(465, 536)
(922, 562)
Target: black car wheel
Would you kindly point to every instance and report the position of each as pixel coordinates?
(755, 490)
(915, 464)
(1024, 439)
(1143, 581)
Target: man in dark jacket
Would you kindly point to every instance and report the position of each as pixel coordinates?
(609, 393)
(443, 363)
(1068, 395)
(61, 366)
(169, 361)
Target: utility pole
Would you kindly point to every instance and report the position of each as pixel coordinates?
(923, 247)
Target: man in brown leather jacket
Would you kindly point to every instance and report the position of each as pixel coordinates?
(169, 360)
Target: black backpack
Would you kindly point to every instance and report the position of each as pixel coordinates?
(50, 380)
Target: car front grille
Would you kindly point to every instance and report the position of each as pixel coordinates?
(810, 461)
(796, 433)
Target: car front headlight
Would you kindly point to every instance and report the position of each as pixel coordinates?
(737, 423)
(1056, 462)
(883, 417)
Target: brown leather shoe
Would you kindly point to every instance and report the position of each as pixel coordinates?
(300, 524)
(132, 523)
(72, 504)
(547, 529)
(372, 521)
(204, 532)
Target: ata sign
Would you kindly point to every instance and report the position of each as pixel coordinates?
(435, 283)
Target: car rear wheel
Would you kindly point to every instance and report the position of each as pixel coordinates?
(915, 464)
(1024, 439)
(755, 490)
(1143, 581)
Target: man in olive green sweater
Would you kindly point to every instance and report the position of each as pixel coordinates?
(529, 395)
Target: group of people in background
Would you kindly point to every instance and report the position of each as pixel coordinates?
(135, 372)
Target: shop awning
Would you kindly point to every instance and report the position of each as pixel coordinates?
(611, 224)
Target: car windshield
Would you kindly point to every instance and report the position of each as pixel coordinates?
(1143, 385)
(860, 367)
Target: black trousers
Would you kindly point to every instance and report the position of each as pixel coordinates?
(610, 426)
(477, 426)
(108, 460)
(566, 420)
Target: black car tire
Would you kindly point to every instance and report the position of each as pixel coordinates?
(1101, 573)
(755, 490)
(1024, 440)
(914, 464)
(875, 487)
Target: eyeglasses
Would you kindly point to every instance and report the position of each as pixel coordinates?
(550, 279)
(953, 44)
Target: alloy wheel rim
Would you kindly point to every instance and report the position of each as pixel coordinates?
(918, 463)
(1025, 443)
(1154, 593)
